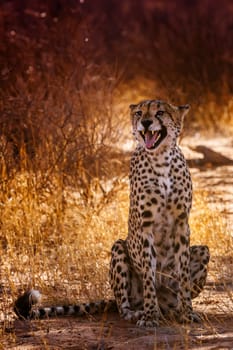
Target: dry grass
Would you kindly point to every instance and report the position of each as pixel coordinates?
(50, 240)
(50, 237)
(209, 227)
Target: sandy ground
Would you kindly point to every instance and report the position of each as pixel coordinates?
(108, 331)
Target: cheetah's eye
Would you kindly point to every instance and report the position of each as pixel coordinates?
(138, 113)
(159, 113)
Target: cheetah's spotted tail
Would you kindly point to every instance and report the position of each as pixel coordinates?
(24, 307)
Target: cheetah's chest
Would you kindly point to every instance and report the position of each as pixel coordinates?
(160, 193)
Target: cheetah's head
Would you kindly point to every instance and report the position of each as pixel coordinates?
(157, 123)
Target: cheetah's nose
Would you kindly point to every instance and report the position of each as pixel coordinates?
(146, 123)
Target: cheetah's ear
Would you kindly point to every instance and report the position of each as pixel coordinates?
(184, 110)
(132, 107)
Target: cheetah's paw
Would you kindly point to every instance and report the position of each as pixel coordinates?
(133, 316)
(147, 323)
(190, 317)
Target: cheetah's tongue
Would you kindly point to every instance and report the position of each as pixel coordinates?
(151, 138)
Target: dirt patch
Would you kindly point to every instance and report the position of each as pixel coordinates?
(110, 332)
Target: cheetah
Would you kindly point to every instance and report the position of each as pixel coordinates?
(155, 272)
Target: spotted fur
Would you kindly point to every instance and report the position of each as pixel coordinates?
(155, 270)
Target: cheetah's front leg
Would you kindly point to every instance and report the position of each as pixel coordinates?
(184, 309)
(125, 283)
(151, 312)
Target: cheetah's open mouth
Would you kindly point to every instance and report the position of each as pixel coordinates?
(153, 138)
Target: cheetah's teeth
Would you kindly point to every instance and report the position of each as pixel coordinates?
(157, 139)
